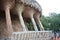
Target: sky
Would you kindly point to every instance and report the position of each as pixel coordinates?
(49, 6)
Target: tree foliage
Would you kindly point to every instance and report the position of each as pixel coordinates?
(51, 22)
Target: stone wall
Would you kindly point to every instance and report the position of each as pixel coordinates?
(32, 35)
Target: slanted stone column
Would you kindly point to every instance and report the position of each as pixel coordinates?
(39, 24)
(28, 13)
(37, 19)
(34, 24)
(22, 22)
(19, 9)
(8, 22)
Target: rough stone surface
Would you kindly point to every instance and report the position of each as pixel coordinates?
(33, 35)
(31, 3)
(3, 28)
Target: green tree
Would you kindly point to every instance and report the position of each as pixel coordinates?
(52, 22)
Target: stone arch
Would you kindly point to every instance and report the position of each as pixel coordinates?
(20, 6)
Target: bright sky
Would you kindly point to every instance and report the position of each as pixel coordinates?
(49, 6)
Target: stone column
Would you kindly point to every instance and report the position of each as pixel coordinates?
(39, 24)
(22, 22)
(28, 13)
(19, 9)
(37, 19)
(8, 22)
(34, 24)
